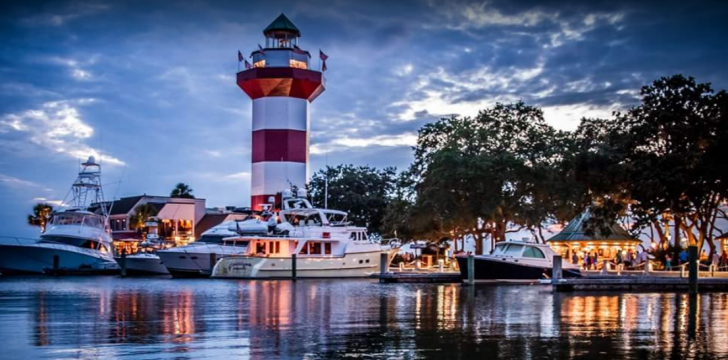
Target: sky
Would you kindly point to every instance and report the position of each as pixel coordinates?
(149, 86)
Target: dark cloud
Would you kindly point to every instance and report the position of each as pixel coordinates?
(166, 102)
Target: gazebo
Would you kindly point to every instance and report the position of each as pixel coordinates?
(723, 242)
(574, 238)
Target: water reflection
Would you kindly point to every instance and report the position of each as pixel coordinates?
(159, 318)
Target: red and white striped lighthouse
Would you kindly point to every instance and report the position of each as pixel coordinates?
(281, 85)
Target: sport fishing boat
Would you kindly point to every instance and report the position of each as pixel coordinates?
(516, 260)
(77, 239)
(197, 258)
(322, 240)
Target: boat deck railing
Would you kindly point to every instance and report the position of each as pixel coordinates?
(46, 244)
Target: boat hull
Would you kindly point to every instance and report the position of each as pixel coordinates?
(355, 265)
(496, 269)
(144, 265)
(39, 259)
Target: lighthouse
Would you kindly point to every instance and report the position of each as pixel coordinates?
(282, 85)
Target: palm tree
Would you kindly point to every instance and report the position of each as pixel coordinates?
(141, 214)
(41, 216)
(182, 190)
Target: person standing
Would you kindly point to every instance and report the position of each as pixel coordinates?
(668, 262)
(620, 261)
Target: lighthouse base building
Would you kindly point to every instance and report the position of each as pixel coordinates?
(282, 86)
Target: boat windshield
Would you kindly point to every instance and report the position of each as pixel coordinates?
(533, 252)
(87, 220)
(297, 219)
(513, 250)
(212, 239)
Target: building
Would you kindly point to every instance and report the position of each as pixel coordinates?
(281, 84)
(178, 221)
(575, 238)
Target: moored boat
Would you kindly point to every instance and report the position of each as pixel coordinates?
(324, 244)
(515, 260)
(77, 240)
(197, 258)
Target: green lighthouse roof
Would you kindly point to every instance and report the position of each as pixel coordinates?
(282, 24)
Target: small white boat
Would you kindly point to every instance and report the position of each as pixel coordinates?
(324, 245)
(516, 260)
(77, 240)
(144, 263)
(197, 258)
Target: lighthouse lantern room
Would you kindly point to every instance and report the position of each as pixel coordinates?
(281, 85)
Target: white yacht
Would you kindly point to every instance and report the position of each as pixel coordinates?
(77, 239)
(516, 260)
(324, 244)
(196, 259)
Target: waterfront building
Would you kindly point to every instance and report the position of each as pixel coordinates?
(281, 84)
(575, 238)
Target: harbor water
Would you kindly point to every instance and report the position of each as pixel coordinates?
(141, 318)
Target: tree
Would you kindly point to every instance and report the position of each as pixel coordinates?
(498, 168)
(363, 192)
(662, 159)
(673, 143)
(141, 214)
(41, 216)
(182, 190)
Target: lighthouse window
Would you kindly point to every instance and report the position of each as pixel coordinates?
(298, 64)
(259, 64)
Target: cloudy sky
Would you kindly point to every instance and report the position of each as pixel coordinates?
(151, 85)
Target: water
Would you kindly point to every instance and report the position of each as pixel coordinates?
(109, 317)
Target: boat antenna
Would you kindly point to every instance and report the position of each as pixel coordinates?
(326, 184)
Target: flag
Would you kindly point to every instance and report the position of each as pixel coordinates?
(298, 50)
(240, 56)
(323, 56)
(261, 49)
(248, 65)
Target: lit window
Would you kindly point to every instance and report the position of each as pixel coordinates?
(298, 64)
(259, 64)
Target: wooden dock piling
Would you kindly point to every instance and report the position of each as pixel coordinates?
(293, 267)
(213, 261)
(557, 273)
(471, 270)
(56, 264)
(122, 263)
(383, 262)
(693, 269)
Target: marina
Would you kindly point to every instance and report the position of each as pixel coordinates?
(414, 180)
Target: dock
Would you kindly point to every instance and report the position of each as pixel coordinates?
(637, 283)
(420, 277)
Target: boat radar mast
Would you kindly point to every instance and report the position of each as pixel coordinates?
(87, 189)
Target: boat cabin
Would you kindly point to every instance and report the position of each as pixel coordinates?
(77, 228)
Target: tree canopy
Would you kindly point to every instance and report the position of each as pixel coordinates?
(362, 191)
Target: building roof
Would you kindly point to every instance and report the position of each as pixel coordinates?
(124, 205)
(207, 222)
(281, 23)
(576, 231)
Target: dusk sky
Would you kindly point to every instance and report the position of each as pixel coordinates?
(150, 85)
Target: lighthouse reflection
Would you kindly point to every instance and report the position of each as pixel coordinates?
(337, 319)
